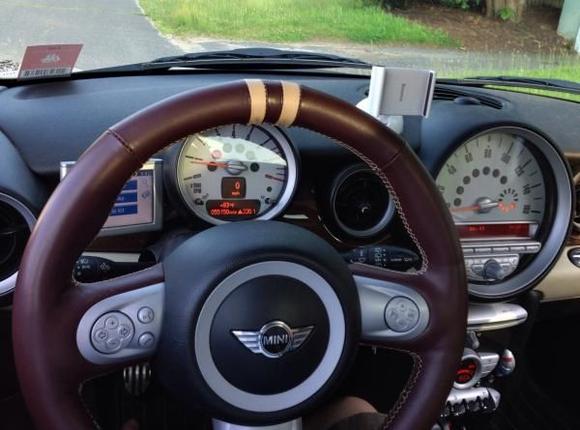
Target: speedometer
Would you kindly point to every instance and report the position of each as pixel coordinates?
(237, 172)
(494, 187)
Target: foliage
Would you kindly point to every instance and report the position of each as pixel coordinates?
(461, 4)
(290, 21)
(506, 14)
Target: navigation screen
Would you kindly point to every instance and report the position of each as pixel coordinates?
(134, 205)
(138, 205)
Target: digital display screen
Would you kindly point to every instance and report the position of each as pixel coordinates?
(233, 188)
(136, 208)
(134, 204)
(483, 231)
(228, 210)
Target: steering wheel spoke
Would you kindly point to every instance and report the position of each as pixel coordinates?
(115, 322)
(125, 324)
(393, 310)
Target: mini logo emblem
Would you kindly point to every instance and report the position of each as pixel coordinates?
(274, 339)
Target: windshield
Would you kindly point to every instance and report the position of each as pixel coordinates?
(456, 38)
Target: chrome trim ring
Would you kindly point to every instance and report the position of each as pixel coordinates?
(379, 226)
(289, 188)
(7, 284)
(560, 222)
(307, 388)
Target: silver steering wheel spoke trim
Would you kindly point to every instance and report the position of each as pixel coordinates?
(122, 327)
(390, 311)
(290, 425)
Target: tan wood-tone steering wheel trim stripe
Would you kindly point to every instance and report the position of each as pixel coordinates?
(264, 106)
(257, 90)
(290, 104)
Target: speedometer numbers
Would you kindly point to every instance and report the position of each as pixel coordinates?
(237, 172)
(491, 179)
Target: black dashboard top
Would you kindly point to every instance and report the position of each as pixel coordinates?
(51, 122)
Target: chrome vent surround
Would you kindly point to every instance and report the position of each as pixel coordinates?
(16, 222)
(361, 206)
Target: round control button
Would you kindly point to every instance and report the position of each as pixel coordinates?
(100, 335)
(111, 322)
(145, 315)
(112, 332)
(146, 340)
(113, 344)
(401, 314)
(124, 330)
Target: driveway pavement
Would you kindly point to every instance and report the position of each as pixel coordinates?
(112, 31)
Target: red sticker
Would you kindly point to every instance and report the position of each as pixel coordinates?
(47, 61)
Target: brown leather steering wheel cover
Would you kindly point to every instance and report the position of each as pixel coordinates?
(47, 302)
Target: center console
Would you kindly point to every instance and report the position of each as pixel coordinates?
(486, 365)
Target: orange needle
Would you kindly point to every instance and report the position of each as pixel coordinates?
(274, 178)
(466, 208)
(210, 163)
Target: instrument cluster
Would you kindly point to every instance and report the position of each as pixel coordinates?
(237, 172)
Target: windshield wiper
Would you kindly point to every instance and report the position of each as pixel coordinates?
(255, 58)
(517, 81)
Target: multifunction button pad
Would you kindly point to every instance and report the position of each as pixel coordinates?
(122, 327)
(401, 314)
(115, 330)
(390, 311)
(112, 332)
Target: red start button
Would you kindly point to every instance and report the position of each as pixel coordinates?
(466, 372)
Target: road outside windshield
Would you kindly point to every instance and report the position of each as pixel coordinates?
(457, 38)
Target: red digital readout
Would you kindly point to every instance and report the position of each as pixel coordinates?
(232, 209)
(478, 231)
(233, 188)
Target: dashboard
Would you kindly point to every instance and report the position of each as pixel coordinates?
(497, 160)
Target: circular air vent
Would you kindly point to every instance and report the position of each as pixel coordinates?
(576, 219)
(361, 205)
(16, 222)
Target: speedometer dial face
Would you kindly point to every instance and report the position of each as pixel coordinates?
(237, 172)
(494, 179)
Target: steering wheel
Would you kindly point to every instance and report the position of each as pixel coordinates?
(256, 321)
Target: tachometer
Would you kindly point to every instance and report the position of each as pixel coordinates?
(237, 172)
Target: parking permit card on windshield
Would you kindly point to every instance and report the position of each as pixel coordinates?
(48, 61)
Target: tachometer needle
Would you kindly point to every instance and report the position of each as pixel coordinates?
(466, 209)
(273, 177)
(483, 205)
(210, 163)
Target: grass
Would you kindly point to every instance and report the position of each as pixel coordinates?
(290, 21)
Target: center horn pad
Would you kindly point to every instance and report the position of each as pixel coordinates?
(261, 321)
